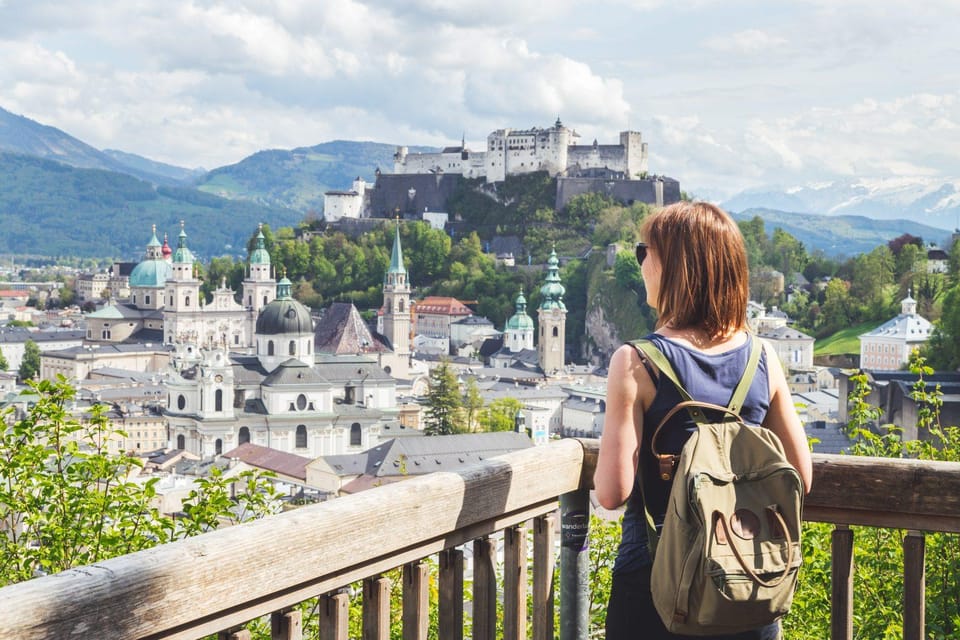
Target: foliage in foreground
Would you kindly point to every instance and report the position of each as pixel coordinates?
(66, 500)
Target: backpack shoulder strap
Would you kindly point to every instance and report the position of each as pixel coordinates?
(647, 348)
(749, 373)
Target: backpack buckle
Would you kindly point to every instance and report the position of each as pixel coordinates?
(667, 464)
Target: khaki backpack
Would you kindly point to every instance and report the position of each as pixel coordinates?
(728, 557)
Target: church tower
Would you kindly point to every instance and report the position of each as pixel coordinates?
(552, 320)
(259, 287)
(396, 301)
(182, 296)
(519, 328)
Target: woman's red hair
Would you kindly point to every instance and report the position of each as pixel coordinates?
(704, 281)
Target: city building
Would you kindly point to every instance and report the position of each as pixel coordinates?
(888, 347)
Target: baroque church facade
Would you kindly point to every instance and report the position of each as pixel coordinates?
(166, 304)
(290, 394)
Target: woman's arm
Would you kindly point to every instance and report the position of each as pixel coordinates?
(783, 420)
(627, 384)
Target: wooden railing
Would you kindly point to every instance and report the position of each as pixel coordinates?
(216, 582)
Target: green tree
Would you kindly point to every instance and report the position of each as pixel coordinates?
(472, 403)
(4, 365)
(500, 414)
(30, 364)
(443, 406)
(67, 501)
(836, 311)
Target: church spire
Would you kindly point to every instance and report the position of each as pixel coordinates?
(396, 256)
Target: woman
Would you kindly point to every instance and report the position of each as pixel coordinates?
(694, 267)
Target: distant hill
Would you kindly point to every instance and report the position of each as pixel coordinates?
(25, 136)
(49, 208)
(842, 235)
(298, 178)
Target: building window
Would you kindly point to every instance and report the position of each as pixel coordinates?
(270, 348)
(181, 402)
(181, 442)
(293, 347)
(301, 436)
(218, 447)
(186, 301)
(218, 400)
(264, 300)
(301, 402)
(244, 435)
(146, 299)
(556, 332)
(355, 434)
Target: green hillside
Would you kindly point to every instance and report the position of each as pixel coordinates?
(844, 342)
(298, 178)
(48, 208)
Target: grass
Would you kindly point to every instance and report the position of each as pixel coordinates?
(845, 341)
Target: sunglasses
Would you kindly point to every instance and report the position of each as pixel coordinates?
(641, 252)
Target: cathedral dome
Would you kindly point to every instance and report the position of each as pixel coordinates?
(284, 315)
(151, 273)
(520, 321)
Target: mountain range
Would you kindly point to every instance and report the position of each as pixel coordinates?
(933, 202)
(61, 196)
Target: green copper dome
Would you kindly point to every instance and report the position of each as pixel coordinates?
(151, 273)
(183, 255)
(552, 291)
(520, 321)
(260, 255)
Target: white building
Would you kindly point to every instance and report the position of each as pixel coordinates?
(518, 151)
(345, 204)
(888, 347)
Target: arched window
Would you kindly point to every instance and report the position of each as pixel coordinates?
(218, 447)
(301, 436)
(181, 402)
(301, 402)
(265, 301)
(186, 301)
(293, 347)
(249, 301)
(181, 442)
(401, 305)
(171, 301)
(244, 435)
(270, 348)
(134, 298)
(218, 400)
(556, 332)
(355, 434)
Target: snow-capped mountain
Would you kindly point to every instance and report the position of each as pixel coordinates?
(935, 202)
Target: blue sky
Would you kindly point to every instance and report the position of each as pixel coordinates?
(730, 95)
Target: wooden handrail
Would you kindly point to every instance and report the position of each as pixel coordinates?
(222, 579)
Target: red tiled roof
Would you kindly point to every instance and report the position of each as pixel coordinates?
(443, 305)
(280, 462)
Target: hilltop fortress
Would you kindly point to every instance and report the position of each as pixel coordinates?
(515, 151)
(421, 183)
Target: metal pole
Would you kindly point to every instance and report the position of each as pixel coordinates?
(574, 565)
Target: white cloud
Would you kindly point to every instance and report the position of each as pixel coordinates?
(749, 42)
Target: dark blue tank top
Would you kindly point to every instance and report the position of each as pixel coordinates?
(707, 378)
